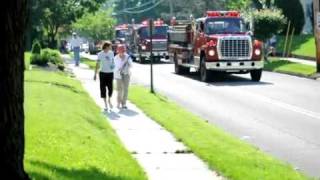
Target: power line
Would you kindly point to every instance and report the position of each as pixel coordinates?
(141, 11)
(136, 7)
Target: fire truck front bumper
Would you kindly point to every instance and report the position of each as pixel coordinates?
(155, 54)
(234, 66)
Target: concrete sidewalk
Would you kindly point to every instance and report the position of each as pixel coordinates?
(153, 147)
(301, 61)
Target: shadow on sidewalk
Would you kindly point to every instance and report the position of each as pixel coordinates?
(128, 112)
(112, 115)
(116, 115)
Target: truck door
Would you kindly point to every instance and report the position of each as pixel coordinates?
(199, 39)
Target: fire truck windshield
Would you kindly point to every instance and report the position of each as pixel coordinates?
(158, 32)
(121, 33)
(224, 25)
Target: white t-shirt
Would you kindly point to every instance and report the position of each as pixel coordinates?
(106, 60)
(123, 65)
(75, 42)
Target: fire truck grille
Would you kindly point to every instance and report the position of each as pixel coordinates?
(235, 48)
(159, 46)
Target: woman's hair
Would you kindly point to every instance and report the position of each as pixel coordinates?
(106, 44)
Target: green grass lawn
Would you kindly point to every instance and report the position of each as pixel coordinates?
(285, 66)
(233, 158)
(27, 56)
(303, 45)
(67, 136)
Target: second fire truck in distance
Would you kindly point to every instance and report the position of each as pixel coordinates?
(139, 45)
(216, 44)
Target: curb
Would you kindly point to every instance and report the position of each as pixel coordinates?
(312, 77)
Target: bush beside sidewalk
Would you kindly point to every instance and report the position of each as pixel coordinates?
(67, 137)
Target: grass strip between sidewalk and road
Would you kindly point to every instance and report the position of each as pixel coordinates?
(67, 136)
(224, 153)
(285, 66)
(90, 63)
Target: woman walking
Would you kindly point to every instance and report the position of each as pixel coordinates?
(105, 65)
(123, 64)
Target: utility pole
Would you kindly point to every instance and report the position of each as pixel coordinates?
(316, 11)
(151, 56)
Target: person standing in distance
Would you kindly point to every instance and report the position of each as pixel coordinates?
(123, 64)
(75, 46)
(105, 66)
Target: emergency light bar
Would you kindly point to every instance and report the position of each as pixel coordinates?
(156, 23)
(223, 14)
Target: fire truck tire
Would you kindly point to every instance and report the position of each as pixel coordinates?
(205, 74)
(256, 75)
(180, 69)
(142, 60)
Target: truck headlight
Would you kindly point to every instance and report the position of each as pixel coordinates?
(143, 47)
(257, 52)
(211, 52)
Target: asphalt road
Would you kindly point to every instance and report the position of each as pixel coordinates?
(280, 114)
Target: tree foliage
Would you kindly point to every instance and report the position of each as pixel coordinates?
(293, 11)
(267, 22)
(96, 26)
(52, 17)
(127, 10)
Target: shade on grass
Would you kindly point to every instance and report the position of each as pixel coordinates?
(67, 136)
(285, 66)
(303, 45)
(233, 158)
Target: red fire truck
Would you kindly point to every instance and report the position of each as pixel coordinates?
(216, 44)
(140, 44)
(122, 35)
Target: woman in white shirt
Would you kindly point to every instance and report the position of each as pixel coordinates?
(123, 64)
(105, 65)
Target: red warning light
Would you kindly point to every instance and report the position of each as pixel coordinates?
(213, 13)
(223, 14)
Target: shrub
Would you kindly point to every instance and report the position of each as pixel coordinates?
(37, 59)
(36, 47)
(293, 11)
(267, 22)
(52, 56)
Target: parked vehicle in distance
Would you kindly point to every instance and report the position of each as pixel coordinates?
(85, 47)
(94, 47)
(216, 44)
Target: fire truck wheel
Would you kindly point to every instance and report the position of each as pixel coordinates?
(205, 74)
(142, 60)
(180, 69)
(256, 75)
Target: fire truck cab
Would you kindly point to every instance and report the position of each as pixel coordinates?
(140, 44)
(219, 42)
(122, 35)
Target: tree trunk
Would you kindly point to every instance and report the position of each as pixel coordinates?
(11, 90)
(316, 10)
(268, 3)
(257, 4)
